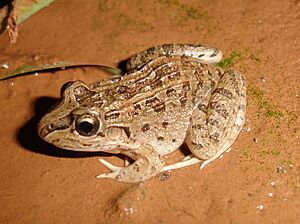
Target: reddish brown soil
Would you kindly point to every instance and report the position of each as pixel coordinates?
(258, 181)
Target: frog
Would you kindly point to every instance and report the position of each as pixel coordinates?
(170, 95)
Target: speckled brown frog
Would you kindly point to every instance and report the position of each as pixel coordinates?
(171, 94)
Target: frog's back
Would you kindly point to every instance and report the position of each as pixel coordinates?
(155, 102)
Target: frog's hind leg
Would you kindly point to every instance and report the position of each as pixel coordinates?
(215, 125)
(206, 54)
(216, 122)
(190, 160)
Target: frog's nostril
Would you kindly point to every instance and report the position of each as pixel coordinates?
(65, 86)
(59, 124)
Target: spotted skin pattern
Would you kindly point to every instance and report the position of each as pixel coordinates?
(171, 94)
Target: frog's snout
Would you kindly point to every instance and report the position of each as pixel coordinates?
(47, 127)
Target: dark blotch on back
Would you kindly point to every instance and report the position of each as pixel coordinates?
(171, 92)
(161, 107)
(224, 92)
(165, 124)
(213, 122)
(146, 127)
(183, 101)
(137, 106)
(168, 48)
(186, 86)
(160, 138)
(220, 109)
(151, 102)
(203, 108)
(136, 110)
(157, 83)
(215, 137)
(173, 76)
(122, 89)
(151, 50)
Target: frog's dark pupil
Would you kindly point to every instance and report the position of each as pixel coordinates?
(86, 127)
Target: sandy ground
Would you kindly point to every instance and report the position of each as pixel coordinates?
(258, 181)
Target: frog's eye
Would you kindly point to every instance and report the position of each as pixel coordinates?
(87, 125)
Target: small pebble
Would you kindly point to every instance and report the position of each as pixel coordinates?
(6, 66)
(163, 176)
(36, 57)
(262, 79)
(246, 129)
(260, 207)
(280, 169)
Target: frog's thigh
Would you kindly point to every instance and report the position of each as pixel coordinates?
(215, 126)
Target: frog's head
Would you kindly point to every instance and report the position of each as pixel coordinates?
(77, 122)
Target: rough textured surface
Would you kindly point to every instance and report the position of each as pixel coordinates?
(256, 182)
(149, 112)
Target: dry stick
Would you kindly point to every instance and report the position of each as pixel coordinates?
(12, 26)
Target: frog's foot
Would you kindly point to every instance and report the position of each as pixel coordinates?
(115, 170)
(190, 160)
(186, 161)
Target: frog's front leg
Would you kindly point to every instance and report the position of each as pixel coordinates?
(147, 163)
